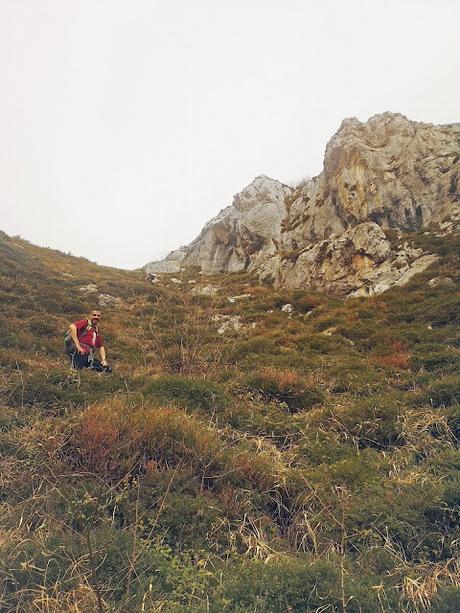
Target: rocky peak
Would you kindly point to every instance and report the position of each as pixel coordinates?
(262, 191)
(171, 263)
(390, 170)
(243, 234)
(385, 173)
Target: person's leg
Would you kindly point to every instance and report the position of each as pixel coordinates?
(79, 361)
(72, 357)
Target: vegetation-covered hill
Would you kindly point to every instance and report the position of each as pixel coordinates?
(308, 461)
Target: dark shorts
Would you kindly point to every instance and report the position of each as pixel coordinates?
(78, 361)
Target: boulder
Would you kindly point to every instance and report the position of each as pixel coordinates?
(446, 282)
(106, 300)
(91, 288)
(204, 290)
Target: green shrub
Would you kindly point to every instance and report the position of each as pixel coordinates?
(7, 337)
(320, 447)
(452, 414)
(58, 389)
(444, 392)
(254, 347)
(354, 471)
(195, 394)
(318, 343)
(54, 564)
(368, 422)
(288, 584)
(447, 360)
(447, 600)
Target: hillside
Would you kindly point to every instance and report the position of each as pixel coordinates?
(255, 449)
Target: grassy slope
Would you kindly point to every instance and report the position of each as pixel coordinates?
(307, 463)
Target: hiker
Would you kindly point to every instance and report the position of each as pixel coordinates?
(82, 340)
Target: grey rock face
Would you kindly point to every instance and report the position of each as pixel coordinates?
(171, 263)
(244, 234)
(328, 235)
(357, 262)
(398, 173)
(387, 173)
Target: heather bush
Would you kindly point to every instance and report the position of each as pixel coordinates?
(447, 600)
(366, 422)
(287, 584)
(112, 439)
(196, 394)
(58, 563)
(444, 391)
(431, 358)
(320, 446)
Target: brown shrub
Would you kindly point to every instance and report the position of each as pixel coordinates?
(286, 385)
(398, 360)
(111, 440)
(102, 439)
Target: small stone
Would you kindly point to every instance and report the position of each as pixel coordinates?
(106, 300)
(205, 290)
(234, 299)
(91, 288)
(441, 282)
(230, 323)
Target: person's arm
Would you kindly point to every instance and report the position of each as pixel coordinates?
(74, 335)
(103, 355)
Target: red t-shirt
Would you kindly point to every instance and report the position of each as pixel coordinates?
(89, 337)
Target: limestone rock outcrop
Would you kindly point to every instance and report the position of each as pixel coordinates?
(243, 235)
(395, 172)
(171, 263)
(388, 173)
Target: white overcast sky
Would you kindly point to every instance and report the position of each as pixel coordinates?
(125, 125)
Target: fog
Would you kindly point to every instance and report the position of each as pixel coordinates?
(125, 126)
